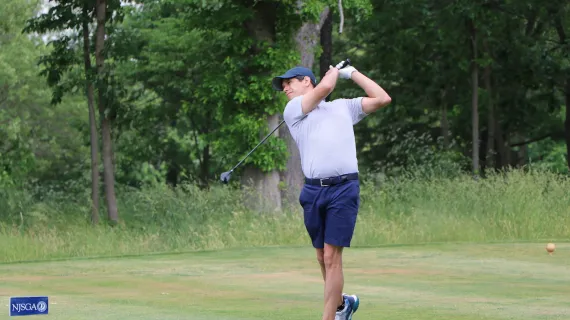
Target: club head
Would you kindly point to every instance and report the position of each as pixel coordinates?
(225, 177)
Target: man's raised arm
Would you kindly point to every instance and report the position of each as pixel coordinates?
(377, 97)
(322, 90)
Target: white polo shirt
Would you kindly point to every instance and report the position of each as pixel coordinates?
(325, 137)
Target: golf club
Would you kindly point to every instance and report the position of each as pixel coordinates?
(225, 177)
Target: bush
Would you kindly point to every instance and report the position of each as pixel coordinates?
(513, 206)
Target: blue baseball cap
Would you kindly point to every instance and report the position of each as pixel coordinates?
(291, 73)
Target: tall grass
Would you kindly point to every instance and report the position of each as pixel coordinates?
(513, 206)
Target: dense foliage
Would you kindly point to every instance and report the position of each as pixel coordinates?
(182, 92)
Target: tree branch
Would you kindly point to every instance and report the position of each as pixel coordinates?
(555, 134)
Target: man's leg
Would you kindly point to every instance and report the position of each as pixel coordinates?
(334, 280)
(314, 218)
(321, 260)
(340, 223)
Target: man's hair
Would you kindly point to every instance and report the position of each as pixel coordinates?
(301, 78)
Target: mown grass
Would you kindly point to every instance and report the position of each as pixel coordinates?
(514, 206)
(436, 281)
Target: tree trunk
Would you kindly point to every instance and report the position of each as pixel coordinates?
(444, 120)
(205, 167)
(490, 120)
(325, 60)
(475, 98)
(501, 159)
(522, 154)
(108, 174)
(92, 120)
(567, 120)
(172, 173)
(566, 88)
(508, 150)
(265, 195)
(307, 38)
(206, 155)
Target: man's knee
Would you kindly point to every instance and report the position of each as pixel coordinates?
(332, 256)
(321, 256)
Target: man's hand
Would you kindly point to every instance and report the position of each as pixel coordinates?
(334, 71)
(345, 73)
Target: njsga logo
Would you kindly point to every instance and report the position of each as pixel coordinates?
(21, 306)
(39, 307)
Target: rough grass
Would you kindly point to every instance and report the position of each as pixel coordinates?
(515, 206)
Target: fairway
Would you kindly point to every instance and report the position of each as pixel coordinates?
(452, 281)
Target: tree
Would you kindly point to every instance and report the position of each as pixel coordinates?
(75, 16)
(94, 141)
(108, 173)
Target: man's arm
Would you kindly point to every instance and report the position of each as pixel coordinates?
(322, 90)
(377, 97)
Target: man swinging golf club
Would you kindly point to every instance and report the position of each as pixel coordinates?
(323, 132)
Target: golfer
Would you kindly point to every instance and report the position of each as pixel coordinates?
(323, 132)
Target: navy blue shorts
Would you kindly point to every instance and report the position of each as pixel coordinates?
(330, 212)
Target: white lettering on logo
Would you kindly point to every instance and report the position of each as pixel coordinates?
(19, 307)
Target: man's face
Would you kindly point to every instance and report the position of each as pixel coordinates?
(294, 87)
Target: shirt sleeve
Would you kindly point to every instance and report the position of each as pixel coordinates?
(355, 109)
(293, 111)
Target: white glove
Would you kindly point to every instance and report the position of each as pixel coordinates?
(345, 73)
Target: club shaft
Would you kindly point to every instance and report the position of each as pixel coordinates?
(262, 141)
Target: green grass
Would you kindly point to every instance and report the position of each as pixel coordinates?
(517, 206)
(437, 248)
(444, 281)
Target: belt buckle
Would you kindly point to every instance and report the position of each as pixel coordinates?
(323, 185)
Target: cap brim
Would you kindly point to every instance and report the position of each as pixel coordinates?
(277, 82)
